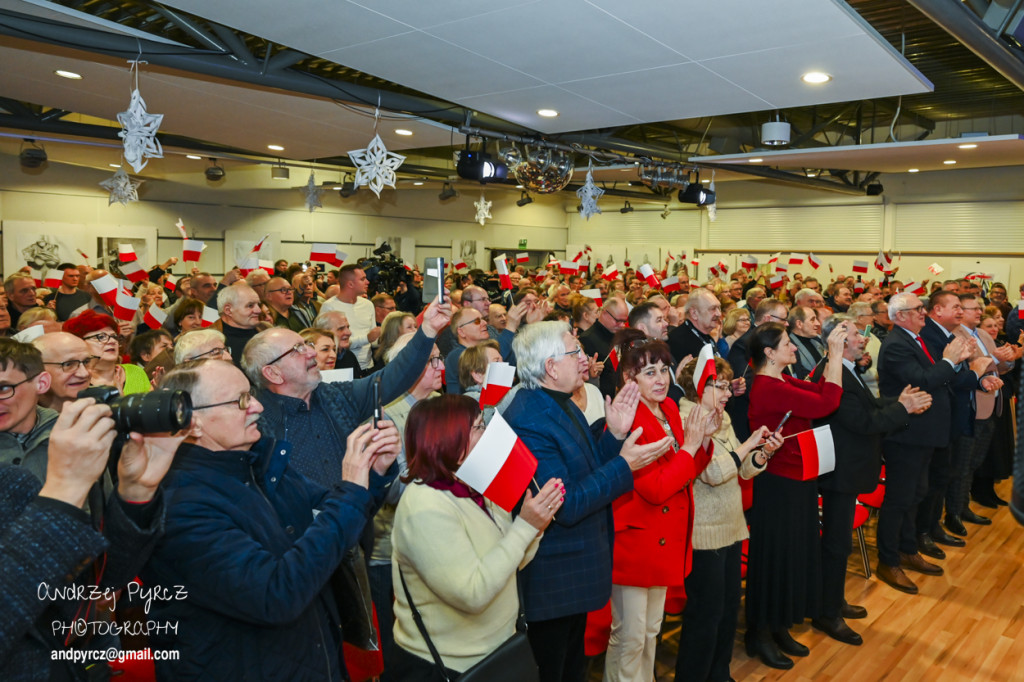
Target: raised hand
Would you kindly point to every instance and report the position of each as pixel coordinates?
(638, 456)
(620, 412)
(539, 510)
(145, 460)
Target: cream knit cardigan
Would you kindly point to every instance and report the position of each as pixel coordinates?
(460, 567)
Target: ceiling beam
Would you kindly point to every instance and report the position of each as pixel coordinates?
(792, 178)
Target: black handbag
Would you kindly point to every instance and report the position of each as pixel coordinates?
(351, 585)
(512, 661)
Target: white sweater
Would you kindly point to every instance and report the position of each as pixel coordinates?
(460, 566)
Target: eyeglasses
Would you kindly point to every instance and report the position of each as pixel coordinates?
(480, 427)
(622, 321)
(436, 361)
(7, 390)
(780, 319)
(242, 401)
(287, 290)
(915, 309)
(723, 386)
(576, 351)
(102, 337)
(297, 348)
(72, 365)
(213, 352)
(478, 320)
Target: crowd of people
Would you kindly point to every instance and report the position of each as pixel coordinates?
(664, 426)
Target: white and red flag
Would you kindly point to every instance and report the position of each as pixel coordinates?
(670, 284)
(522, 257)
(695, 261)
(776, 281)
(817, 452)
(713, 271)
(775, 258)
(126, 253)
(209, 316)
(171, 283)
(613, 357)
(568, 267)
(1020, 309)
(913, 288)
(814, 261)
(258, 246)
(594, 294)
(796, 259)
(705, 370)
(858, 286)
(501, 265)
(125, 306)
(723, 267)
(497, 383)
(936, 269)
(320, 252)
(248, 264)
(577, 257)
(53, 278)
(106, 287)
(268, 266)
(181, 229)
(781, 267)
(37, 276)
(500, 466)
(670, 257)
(134, 272)
(154, 316)
(647, 272)
(460, 265)
(860, 266)
(610, 273)
(191, 249)
(749, 263)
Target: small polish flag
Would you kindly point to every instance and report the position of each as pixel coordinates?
(613, 357)
(134, 272)
(37, 276)
(936, 269)
(339, 259)
(670, 284)
(914, 288)
(407, 267)
(781, 267)
(248, 264)
(191, 250)
(713, 271)
(695, 261)
(583, 264)
(814, 261)
(126, 253)
(53, 278)
(125, 306)
(82, 254)
(171, 283)
(209, 316)
(626, 263)
(775, 258)
(647, 272)
(796, 259)
(858, 286)
(594, 294)
(1020, 309)
(181, 229)
(460, 265)
(670, 257)
(267, 265)
(568, 267)
(586, 247)
(154, 316)
(322, 253)
(749, 263)
(860, 266)
(259, 245)
(522, 257)
(499, 466)
(577, 257)
(497, 383)
(106, 287)
(776, 281)
(817, 452)
(723, 267)
(611, 273)
(705, 370)
(501, 265)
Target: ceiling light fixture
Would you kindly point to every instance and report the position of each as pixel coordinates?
(547, 113)
(666, 213)
(815, 77)
(194, 157)
(275, 147)
(913, 170)
(967, 146)
(68, 74)
(479, 166)
(403, 131)
(754, 160)
(775, 133)
(114, 165)
(626, 208)
(949, 162)
(214, 173)
(418, 183)
(348, 187)
(524, 200)
(874, 189)
(279, 173)
(447, 192)
(696, 193)
(32, 156)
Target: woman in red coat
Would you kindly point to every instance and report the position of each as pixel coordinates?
(653, 523)
(784, 564)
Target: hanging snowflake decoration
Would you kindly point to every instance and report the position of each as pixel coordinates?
(138, 129)
(712, 207)
(122, 188)
(375, 166)
(483, 209)
(588, 195)
(312, 193)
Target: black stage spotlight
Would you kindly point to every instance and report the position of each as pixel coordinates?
(480, 166)
(626, 208)
(33, 156)
(696, 193)
(874, 189)
(348, 187)
(214, 173)
(447, 192)
(524, 200)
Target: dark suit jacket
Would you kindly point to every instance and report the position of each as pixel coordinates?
(686, 340)
(598, 340)
(961, 388)
(901, 362)
(572, 571)
(857, 430)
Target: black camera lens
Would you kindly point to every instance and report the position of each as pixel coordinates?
(154, 412)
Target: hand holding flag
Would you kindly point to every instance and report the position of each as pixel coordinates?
(499, 466)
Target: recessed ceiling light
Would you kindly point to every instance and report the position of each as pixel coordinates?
(705, 181)
(337, 188)
(913, 170)
(519, 186)
(193, 157)
(755, 160)
(949, 162)
(275, 147)
(547, 113)
(815, 77)
(811, 174)
(967, 146)
(68, 74)
(418, 183)
(114, 165)
(403, 131)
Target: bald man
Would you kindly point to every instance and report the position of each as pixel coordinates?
(67, 359)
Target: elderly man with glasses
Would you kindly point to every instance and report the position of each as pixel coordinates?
(68, 361)
(470, 327)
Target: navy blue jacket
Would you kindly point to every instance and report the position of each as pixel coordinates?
(961, 388)
(242, 541)
(572, 571)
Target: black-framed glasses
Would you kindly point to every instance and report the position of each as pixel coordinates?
(623, 321)
(576, 351)
(72, 365)
(7, 390)
(102, 337)
(287, 290)
(297, 348)
(776, 317)
(242, 401)
(436, 361)
(915, 309)
(213, 352)
(478, 320)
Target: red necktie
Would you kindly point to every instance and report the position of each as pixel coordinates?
(925, 349)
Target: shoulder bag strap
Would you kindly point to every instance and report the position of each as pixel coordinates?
(422, 628)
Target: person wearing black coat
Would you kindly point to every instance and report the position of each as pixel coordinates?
(857, 430)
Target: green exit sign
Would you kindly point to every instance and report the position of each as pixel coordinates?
(522, 243)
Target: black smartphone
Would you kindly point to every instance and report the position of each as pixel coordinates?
(782, 423)
(433, 279)
(378, 409)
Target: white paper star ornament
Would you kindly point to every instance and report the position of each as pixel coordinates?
(588, 195)
(139, 133)
(483, 209)
(375, 166)
(123, 189)
(312, 192)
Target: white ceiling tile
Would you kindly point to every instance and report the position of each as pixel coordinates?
(520, 106)
(420, 14)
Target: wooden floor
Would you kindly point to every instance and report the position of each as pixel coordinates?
(965, 625)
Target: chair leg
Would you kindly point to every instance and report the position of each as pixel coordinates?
(863, 551)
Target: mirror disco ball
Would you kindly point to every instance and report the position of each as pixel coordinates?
(540, 171)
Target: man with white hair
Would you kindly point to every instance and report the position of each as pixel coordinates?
(201, 344)
(257, 279)
(703, 315)
(239, 308)
(571, 573)
(809, 298)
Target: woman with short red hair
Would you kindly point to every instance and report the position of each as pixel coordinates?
(100, 333)
(457, 552)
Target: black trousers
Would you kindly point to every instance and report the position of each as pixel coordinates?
(709, 620)
(383, 595)
(837, 511)
(967, 457)
(940, 471)
(558, 648)
(906, 485)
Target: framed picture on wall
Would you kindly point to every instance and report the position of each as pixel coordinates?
(44, 246)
